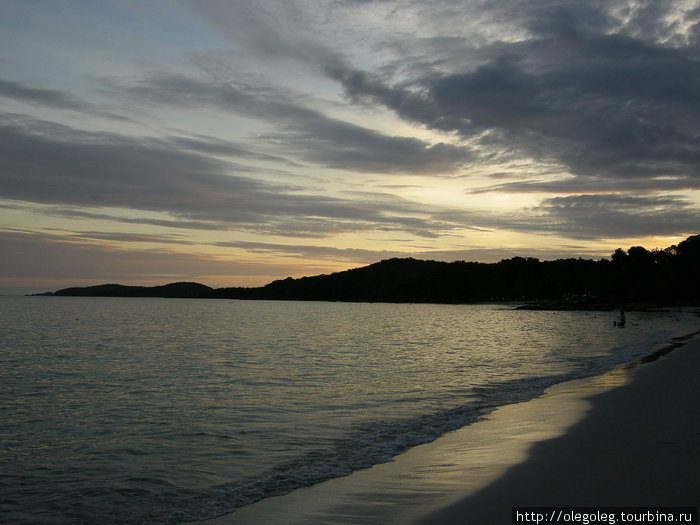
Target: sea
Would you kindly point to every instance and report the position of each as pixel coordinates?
(158, 411)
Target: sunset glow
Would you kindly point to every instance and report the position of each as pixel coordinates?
(234, 143)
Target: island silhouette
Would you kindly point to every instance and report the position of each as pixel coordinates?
(633, 279)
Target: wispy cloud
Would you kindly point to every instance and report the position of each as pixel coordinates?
(313, 136)
(346, 131)
(579, 90)
(73, 260)
(53, 164)
(47, 97)
(611, 215)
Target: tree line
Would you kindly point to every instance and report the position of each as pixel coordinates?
(635, 278)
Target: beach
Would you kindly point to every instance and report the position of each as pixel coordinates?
(630, 437)
(639, 445)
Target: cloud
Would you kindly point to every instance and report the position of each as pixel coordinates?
(278, 30)
(45, 256)
(313, 252)
(75, 213)
(615, 215)
(51, 164)
(345, 146)
(583, 90)
(215, 146)
(121, 237)
(590, 216)
(53, 98)
(592, 184)
(40, 262)
(47, 97)
(46, 262)
(308, 133)
(363, 256)
(238, 109)
(63, 169)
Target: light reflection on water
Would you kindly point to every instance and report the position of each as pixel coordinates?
(139, 404)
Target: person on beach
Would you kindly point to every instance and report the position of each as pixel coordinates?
(621, 320)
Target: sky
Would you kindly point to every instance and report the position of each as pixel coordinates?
(237, 142)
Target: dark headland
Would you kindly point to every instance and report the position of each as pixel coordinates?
(633, 279)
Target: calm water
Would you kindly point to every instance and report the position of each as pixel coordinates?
(157, 411)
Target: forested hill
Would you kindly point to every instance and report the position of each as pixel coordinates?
(633, 278)
(173, 290)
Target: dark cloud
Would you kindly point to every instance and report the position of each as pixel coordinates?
(46, 97)
(53, 98)
(63, 261)
(345, 146)
(50, 164)
(216, 146)
(129, 237)
(615, 215)
(592, 184)
(590, 216)
(308, 133)
(361, 256)
(313, 252)
(583, 90)
(40, 256)
(75, 213)
(595, 103)
(53, 164)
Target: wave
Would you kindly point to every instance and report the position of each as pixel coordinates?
(381, 441)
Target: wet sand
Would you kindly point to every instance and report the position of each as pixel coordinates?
(639, 445)
(630, 437)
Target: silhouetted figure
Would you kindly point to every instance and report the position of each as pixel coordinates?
(621, 320)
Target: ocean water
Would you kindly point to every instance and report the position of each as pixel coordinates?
(121, 410)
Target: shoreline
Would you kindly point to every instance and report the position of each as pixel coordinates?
(638, 446)
(583, 443)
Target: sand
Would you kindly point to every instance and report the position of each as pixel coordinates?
(639, 445)
(630, 437)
